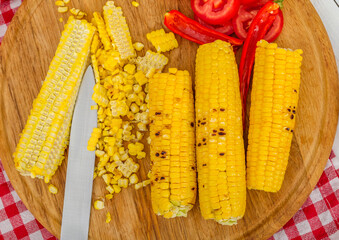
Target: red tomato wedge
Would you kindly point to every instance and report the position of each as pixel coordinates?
(246, 14)
(226, 28)
(215, 12)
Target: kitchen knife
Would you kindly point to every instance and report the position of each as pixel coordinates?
(80, 165)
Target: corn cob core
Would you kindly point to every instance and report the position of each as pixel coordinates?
(173, 187)
(219, 141)
(274, 101)
(43, 141)
(118, 30)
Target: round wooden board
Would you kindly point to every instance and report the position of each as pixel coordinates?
(27, 50)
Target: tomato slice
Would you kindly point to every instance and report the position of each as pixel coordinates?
(226, 28)
(215, 12)
(246, 14)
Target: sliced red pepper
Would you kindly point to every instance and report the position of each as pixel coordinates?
(215, 12)
(193, 31)
(246, 14)
(226, 28)
(259, 27)
(246, 2)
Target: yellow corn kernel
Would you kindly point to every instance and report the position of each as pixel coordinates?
(52, 189)
(162, 41)
(116, 188)
(146, 182)
(66, 1)
(219, 135)
(138, 46)
(133, 179)
(172, 70)
(129, 68)
(140, 78)
(135, 4)
(61, 19)
(98, 205)
(274, 102)
(74, 11)
(59, 3)
(123, 182)
(45, 137)
(62, 9)
(109, 196)
(138, 186)
(108, 217)
(110, 189)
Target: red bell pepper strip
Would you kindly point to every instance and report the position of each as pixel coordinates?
(193, 31)
(259, 27)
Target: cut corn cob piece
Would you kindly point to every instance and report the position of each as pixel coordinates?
(173, 177)
(219, 141)
(274, 101)
(162, 41)
(151, 63)
(118, 30)
(43, 141)
(102, 31)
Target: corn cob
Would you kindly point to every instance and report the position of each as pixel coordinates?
(102, 31)
(173, 177)
(274, 100)
(162, 41)
(44, 139)
(220, 147)
(151, 63)
(118, 30)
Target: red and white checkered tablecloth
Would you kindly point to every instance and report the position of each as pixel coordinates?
(318, 218)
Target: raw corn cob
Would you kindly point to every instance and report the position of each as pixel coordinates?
(274, 101)
(173, 174)
(43, 141)
(219, 141)
(162, 41)
(118, 30)
(100, 24)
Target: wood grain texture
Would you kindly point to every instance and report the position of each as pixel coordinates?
(27, 50)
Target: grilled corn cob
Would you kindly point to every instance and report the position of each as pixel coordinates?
(118, 30)
(43, 141)
(162, 41)
(219, 142)
(173, 177)
(274, 101)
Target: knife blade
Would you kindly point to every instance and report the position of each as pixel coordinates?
(80, 166)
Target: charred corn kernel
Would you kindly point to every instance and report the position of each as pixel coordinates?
(138, 186)
(133, 179)
(162, 41)
(109, 196)
(98, 205)
(151, 63)
(219, 136)
(118, 30)
(52, 189)
(129, 68)
(146, 182)
(45, 137)
(123, 182)
(62, 9)
(61, 19)
(108, 217)
(59, 3)
(102, 31)
(116, 188)
(138, 46)
(172, 153)
(135, 4)
(274, 102)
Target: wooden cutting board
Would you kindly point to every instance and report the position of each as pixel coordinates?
(26, 52)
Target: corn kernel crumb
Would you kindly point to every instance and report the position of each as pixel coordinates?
(52, 189)
(135, 4)
(62, 9)
(108, 217)
(98, 205)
